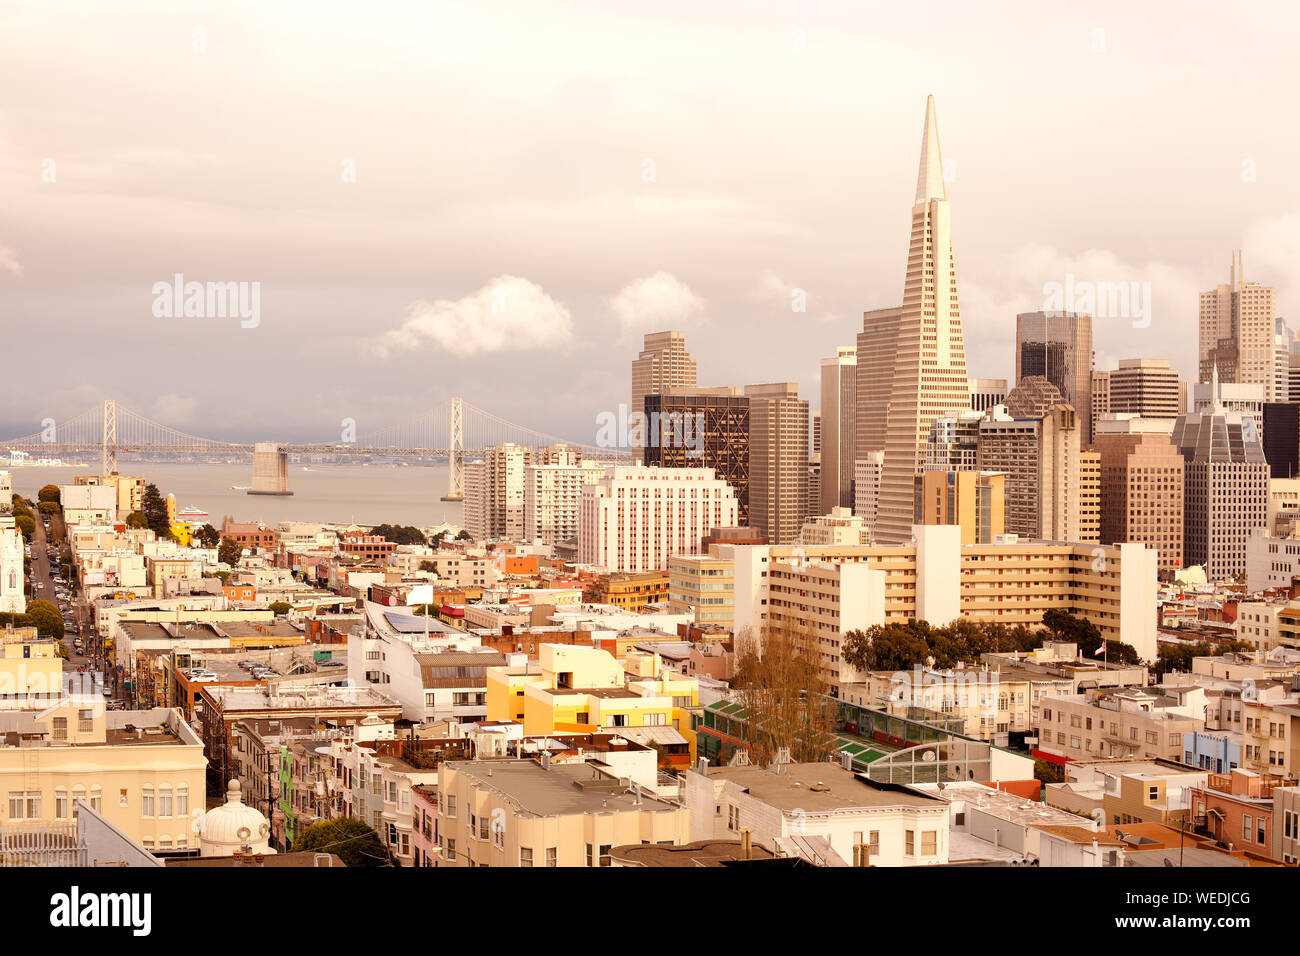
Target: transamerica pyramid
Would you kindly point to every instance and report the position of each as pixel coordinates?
(929, 365)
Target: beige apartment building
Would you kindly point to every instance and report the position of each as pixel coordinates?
(1115, 723)
(31, 670)
(975, 501)
(1237, 328)
(1270, 742)
(508, 812)
(142, 769)
(1142, 494)
(829, 591)
(704, 584)
(989, 700)
(839, 384)
(494, 493)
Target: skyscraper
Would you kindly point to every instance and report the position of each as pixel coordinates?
(838, 436)
(1058, 346)
(1142, 494)
(702, 428)
(663, 363)
(778, 460)
(1237, 329)
(494, 492)
(1146, 387)
(929, 357)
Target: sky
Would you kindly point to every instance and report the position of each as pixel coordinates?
(497, 200)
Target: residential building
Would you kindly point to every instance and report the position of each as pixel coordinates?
(552, 493)
(973, 500)
(866, 489)
(1113, 723)
(494, 493)
(703, 584)
(838, 526)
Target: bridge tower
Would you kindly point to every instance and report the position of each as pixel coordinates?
(108, 442)
(455, 452)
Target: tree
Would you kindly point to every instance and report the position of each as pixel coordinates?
(280, 607)
(887, 647)
(136, 519)
(348, 838)
(428, 566)
(400, 534)
(47, 618)
(155, 512)
(49, 507)
(27, 525)
(49, 493)
(464, 536)
(230, 551)
(780, 685)
(208, 536)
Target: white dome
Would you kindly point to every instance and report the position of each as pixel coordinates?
(227, 828)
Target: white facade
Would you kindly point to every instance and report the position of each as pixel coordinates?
(636, 517)
(12, 599)
(87, 504)
(866, 488)
(552, 494)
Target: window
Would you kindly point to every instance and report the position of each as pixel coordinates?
(605, 859)
(449, 850)
(733, 818)
(146, 802)
(929, 842)
(164, 802)
(482, 828)
(85, 720)
(61, 804)
(909, 843)
(1245, 827)
(60, 728)
(591, 855)
(182, 801)
(451, 805)
(1153, 794)
(526, 856)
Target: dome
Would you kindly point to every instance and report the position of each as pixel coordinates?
(1033, 397)
(227, 828)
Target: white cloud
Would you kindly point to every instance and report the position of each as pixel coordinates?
(655, 303)
(8, 262)
(509, 313)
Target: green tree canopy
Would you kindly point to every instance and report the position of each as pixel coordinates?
(348, 838)
(155, 511)
(46, 617)
(49, 507)
(464, 536)
(400, 534)
(208, 536)
(136, 519)
(229, 551)
(280, 607)
(49, 493)
(26, 524)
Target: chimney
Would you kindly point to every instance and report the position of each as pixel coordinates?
(746, 844)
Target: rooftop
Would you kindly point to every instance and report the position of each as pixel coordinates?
(558, 790)
(816, 787)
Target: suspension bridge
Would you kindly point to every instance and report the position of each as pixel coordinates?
(453, 431)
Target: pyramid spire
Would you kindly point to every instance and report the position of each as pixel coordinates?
(929, 179)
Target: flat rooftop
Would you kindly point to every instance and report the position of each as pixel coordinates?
(566, 788)
(816, 786)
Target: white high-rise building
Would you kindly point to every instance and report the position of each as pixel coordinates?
(552, 494)
(636, 517)
(838, 436)
(866, 488)
(929, 357)
(12, 600)
(1237, 329)
(494, 493)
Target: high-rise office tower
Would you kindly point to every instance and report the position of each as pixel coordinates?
(1145, 387)
(986, 393)
(778, 460)
(929, 357)
(1237, 329)
(1142, 494)
(1058, 346)
(663, 363)
(866, 489)
(975, 500)
(1100, 397)
(1040, 457)
(1089, 496)
(494, 492)
(702, 428)
(875, 371)
(953, 444)
(838, 436)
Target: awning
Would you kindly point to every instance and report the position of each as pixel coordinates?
(664, 736)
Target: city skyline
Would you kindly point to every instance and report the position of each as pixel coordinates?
(729, 225)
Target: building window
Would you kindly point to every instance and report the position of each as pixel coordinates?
(449, 850)
(85, 721)
(552, 856)
(165, 802)
(146, 802)
(909, 843)
(60, 728)
(182, 801)
(526, 856)
(929, 843)
(61, 804)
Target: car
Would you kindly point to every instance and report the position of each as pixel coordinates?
(330, 664)
(248, 665)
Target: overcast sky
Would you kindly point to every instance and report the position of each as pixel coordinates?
(497, 200)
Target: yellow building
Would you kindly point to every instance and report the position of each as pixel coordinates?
(31, 670)
(631, 592)
(143, 770)
(577, 689)
(974, 500)
(505, 812)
